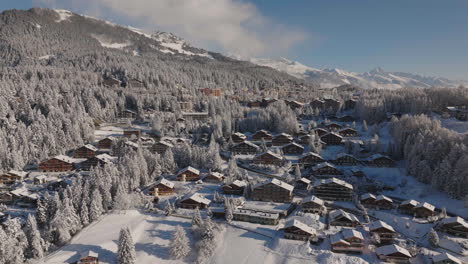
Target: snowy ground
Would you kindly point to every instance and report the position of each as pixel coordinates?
(453, 124)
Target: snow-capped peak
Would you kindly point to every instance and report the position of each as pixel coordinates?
(167, 37)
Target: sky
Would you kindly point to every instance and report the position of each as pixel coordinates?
(428, 37)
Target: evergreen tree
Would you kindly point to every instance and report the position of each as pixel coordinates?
(433, 238)
(126, 249)
(84, 215)
(95, 209)
(197, 220)
(179, 246)
(35, 248)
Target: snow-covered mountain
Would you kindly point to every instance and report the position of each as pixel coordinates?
(376, 78)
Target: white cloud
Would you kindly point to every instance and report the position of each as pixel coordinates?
(233, 26)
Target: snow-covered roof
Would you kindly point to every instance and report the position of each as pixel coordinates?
(284, 135)
(248, 143)
(165, 183)
(313, 199)
(189, 168)
(410, 202)
(131, 144)
(445, 256)
(63, 158)
(304, 180)
(165, 143)
(348, 128)
(238, 183)
(311, 154)
(322, 165)
(455, 219)
(367, 196)
(377, 156)
(239, 134)
(197, 198)
(350, 233)
(333, 123)
(90, 147)
(89, 253)
(24, 192)
(342, 154)
(269, 153)
(339, 212)
(18, 173)
(390, 249)
(111, 138)
(426, 205)
(333, 133)
(277, 183)
(332, 180)
(379, 224)
(383, 197)
(216, 174)
(105, 157)
(293, 144)
(41, 177)
(298, 224)
(338, 238)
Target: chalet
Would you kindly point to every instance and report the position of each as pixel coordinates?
(12, 176)
(254, 104)
(156, 135)
(348, 132)
(58, 163)
(350, 104)
(325, 169)
(236, 187)
(161, 188)
(305, 139)
(88, 257)
(459, 112)
(378, 160)
(245, 148)
(262, 134)
(161, 147)
(333, 189)
(273, 190)
(385, 231)
(295, 229)
(383, 202)
(200, 116)
(342, 218)
(346, 118)
(331, 103)
(128, 133)
(214, 177)
(320, 131)
(268, 158)
(313, 204)
(111, 82)
(99, 160)
(333, 126)
(282, 139)
(188, 174)
(332, 138)
(238, 137)
(368, 200)
(294, 104)
(193, 201)
(41, 179)
(317, 104)
(127, 114)
(106, 143)
(445, 258)
(393, 254)
(186, 105)
(84, 152)
(454, 225)
(344, 159)
(24, 197)
(348, 240)
(301, 133)
(135, 83)
(424, 210)
(292, 149)
(252, 216)
(408, 206)
(357, 173)
(311, 158)
(302, 184)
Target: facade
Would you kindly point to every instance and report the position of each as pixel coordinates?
(160, 147)
(282, 139)
(348, 240)
(333, 127)
(385, 231)
(161, 188)
(344, 159)
(393, 254)
(214, 177)
(297, 230)
(268, 158)
(99, 160)
(313, 204)
(368, 200)
(424, 210)
(235, 188)
(408, 206)
(342, 218)
(311, 158)
(331, 103)
(245, 148)
(106, 143)
(332, 138)
(326, 169)
(273, 190)
(84, 152)
(459, 112)
(378, 160)
(252, 216)
(333, 189)
(305, 139)
(193, 201)
(128, 133)
(348, 132)
(262, 134)
(302, 184)
(127, 114)
(383, 202)
(317, 104)
(238, 137)
(189, 173)
(89, 257)
(454, 225)
(12, 176)
(293, 149)
(320, 131)
(59, 163)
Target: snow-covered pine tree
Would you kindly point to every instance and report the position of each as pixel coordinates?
(41, 212)
(84, 214)
(168, 208)
(35, 248)
(297, 173)
(433, 238)
(197, 220)
(95, 208)
(179, 246)
(228, 210)
(126, 249)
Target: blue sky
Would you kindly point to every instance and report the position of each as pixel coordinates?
(429, 37)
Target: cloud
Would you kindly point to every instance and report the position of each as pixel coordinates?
(231, 26)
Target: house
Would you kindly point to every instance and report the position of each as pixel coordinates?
(273, 190)
(245, 148)
(268, 158)
(262, 134)
(383, 202)
(301, 133)
(445, 258)
(24, 197)
(6, 198)
(99, 160)
(331, 103)
(424, 210)
(295, 229)
(252, 216)
(317, 104)
(348, 240)
(214, 177)
(350, 104)
(199, 116)
(161, 188)
(459, 112)
(282, 139)
(235, 188)
(348, 132)
(311, 158)
(128, 133)
(333, 189)
(341, 218)
(333, 126)
(379, 160)
(88, 257)
(385, 231)
(12, 177)
(344, 159)
(294, 104)
(408, 206)
(161, 147)
(320, 131)
(305, 139)
(325, 169)
(238, 137)
(58, 163)
(188, 174)
(84, 152)
(357, 172)
(292, 149)
(368, 199)
(193, 201)
(393, 254)
(302, 184)
(454, 225)
(313, 204)
(127, 114)
(332, 138)
(106, 143)
(111, 82)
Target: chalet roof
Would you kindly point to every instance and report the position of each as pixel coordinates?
(323, 165)
(426, 205)
(304, 180)
(24, 192)
(197, 198)
(63, 158)
(410, 202)
(132, 144)
(318, 100)
(342, 154)
(165, 143)
(383, 197)
(89, 253)
(348, 128)
(332, 133)
(333, 123)
(390, 249)
(90, 147)
(105, 158)
(238, 183)
(320, 128)
(338, 238)
(17, 173)
(165, 183)
(350, 233)
(298, 224)
(189, 168)
(340, 213)
(367, 196)
(239, 134)
(455, 219)
(377, 156)
(216, 174)
(110, 138)
(445, 256)
(380, 224)
(277, 183)
(262, 131)
(269, 153)
(293, 144)
(311, 154)
(333, 180)
(284, 135)
(313, 199)
(248, 143)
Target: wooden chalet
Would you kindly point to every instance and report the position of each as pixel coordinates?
(128, 133)
(333, 189)
(310, 159)
(161, 147)
(257, 217)
(454, 225)
(6, 198)
(367, 199)
(325, 169)
(385, 231)
(84, 152)
(305, 139)
(41, 179)
(293, 149)
(348, 132)
(332, 138)
(111, 82)
(383, 202)
(313, 204)
(350, 104)
(262, 134)
(245, 148)
(346, 118)
(11, 177)
(268, 158)
(341, 218)
(200, 116)
(333, 127)
(58, 163)
(408, 206)
(357, 173)
(348, 240)
(301, 133)
(317, 104)
(188, 174)
(302, 184)
(99, 160)
(393, 254)
(344, 159)
(282, 139)
(238, 137)
(273, 190)
(161, 188)
(193, 201)
(295, 229)
(214, 177)
(106, 143)
(235, 188)
(294, 104)
(88, 257)
(445, 258)
(127, 114)
(331, 103)
(424, 210)
(25, 197)
(320, 131)
(378, 160)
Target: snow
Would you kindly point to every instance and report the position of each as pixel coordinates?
(453, 124)
(109, 44)
(46, 57)
(63, 15)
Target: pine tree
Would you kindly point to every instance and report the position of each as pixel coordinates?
(364, 125)
(179, 246)
(433, 238)
(35, 248)
(84, 215)
(298, 173)
(197, 220)
(95, 209)
(41, 212)
(168, 208)
(126, 250)
(228, 210)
